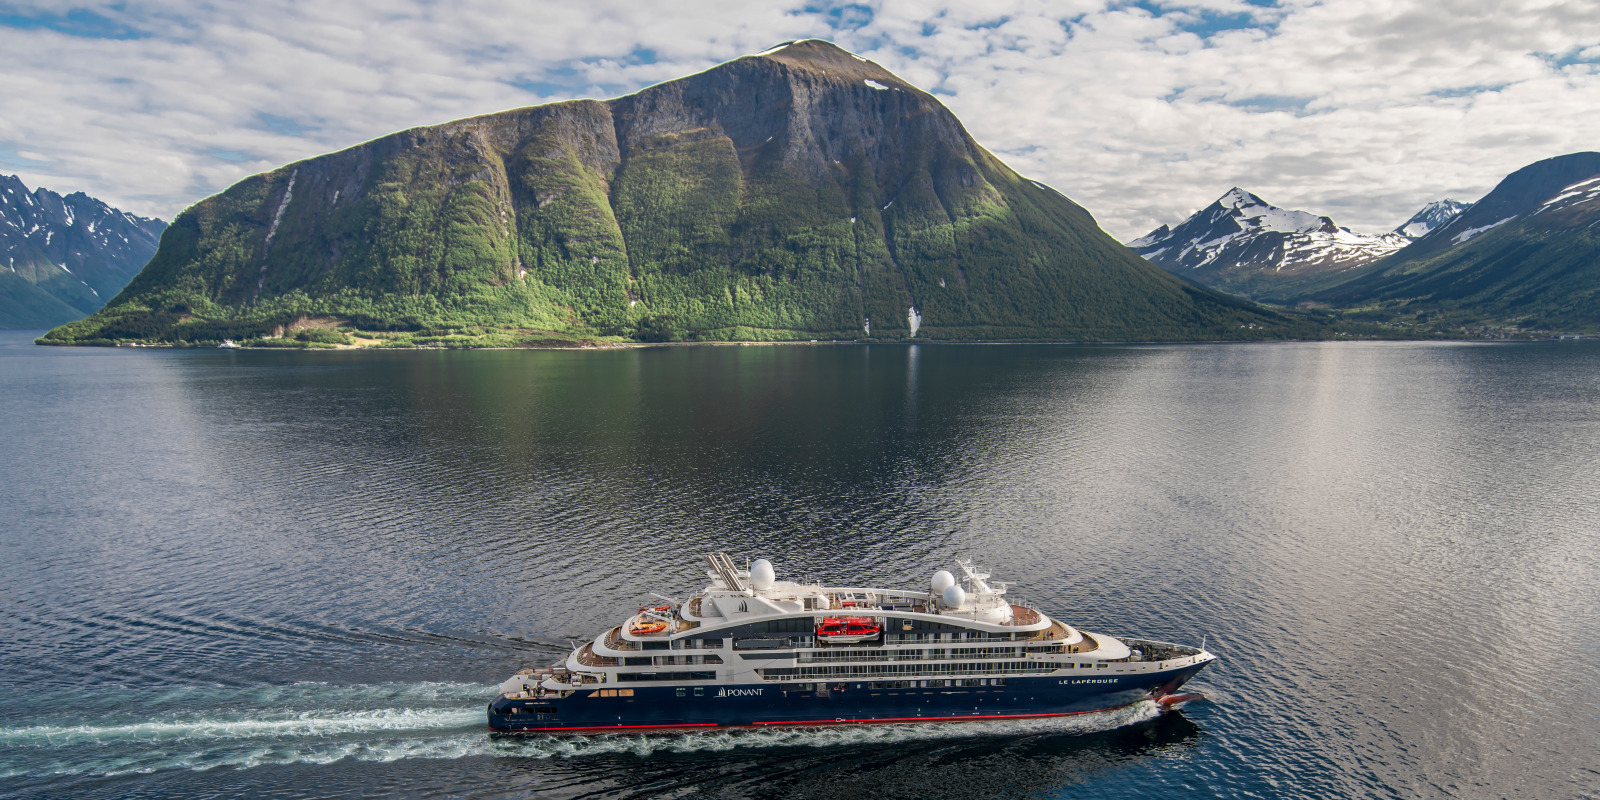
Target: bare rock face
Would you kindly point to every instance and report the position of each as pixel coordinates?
(791, 194)
(62, 258)
(1242, 243)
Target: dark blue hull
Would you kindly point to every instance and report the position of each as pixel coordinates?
(842, 703)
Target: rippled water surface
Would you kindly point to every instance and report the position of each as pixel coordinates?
(301, 574)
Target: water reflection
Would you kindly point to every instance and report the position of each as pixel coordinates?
(1389, 544)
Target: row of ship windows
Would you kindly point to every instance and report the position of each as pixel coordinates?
(532, 710)
(929, 654)
(669, 661)
(932, 684)
(617, 643)
(892, 628)
(864, 670)
(869, 670)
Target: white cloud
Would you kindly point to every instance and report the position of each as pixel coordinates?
(1362, 109)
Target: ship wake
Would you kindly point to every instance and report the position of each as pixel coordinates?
(205, 728)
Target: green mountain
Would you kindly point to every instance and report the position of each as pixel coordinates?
(803, 193)
(61, 258)
(1527, 254)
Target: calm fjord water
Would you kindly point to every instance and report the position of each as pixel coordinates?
(300, 574)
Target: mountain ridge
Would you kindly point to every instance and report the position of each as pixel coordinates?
(1242, 243)
(64, 256)
(804, 192)
(1526, 254)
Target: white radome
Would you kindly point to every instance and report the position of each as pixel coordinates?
(761, 575)
(954, 596)
(942, 580)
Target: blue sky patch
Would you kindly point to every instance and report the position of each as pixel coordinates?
(1466, 91)
(11, 159)
(233, 156)
(1206, 24)
(1268, 102)
(77, 22)
(287, 126)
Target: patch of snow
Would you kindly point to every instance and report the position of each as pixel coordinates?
(886, 206)
(874, 84)
(867, 326)
(941, 283)
(852, 220)
(1150, 238)
(283, 205)
(774, 48)
(1044, 186)
(70, 215)
(64, 268)
(1472, 233)
(1582, 190)
(769, 138)
(914, 318)
(632, 303)
(47, 235)
(856, 57)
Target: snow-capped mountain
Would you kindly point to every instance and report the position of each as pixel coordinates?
(63, 257)
(1241, 239)
(1431, 217)
(1527, 253)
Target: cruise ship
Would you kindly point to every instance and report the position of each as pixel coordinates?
(752, 651)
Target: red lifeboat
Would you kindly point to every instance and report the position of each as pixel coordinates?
(844, 630)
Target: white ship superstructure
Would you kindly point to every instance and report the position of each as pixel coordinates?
(751, 650)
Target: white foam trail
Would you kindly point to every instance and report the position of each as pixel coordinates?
(246, 734)
(305, 724)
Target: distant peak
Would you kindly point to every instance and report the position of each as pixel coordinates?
(1237, 198)
(805, 46)
(821, 54)
(1432, 217)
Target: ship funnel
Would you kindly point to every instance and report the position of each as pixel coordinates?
(761, 575)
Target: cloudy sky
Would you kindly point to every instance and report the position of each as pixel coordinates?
(1142, 112)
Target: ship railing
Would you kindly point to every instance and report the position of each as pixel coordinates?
(1156, 651)
(615, 641)
(1022, 615)
(587, 657)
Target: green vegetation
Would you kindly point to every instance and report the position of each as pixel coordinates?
(1519, 278)
(590, 222)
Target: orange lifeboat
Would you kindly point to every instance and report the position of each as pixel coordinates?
(845, 630)
(647, 626)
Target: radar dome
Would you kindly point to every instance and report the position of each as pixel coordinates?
(761, 575)
(954, 596)
(942, 580)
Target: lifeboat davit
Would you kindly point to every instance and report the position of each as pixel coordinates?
(846, 630)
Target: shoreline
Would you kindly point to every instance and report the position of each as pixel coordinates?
(835, 342)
